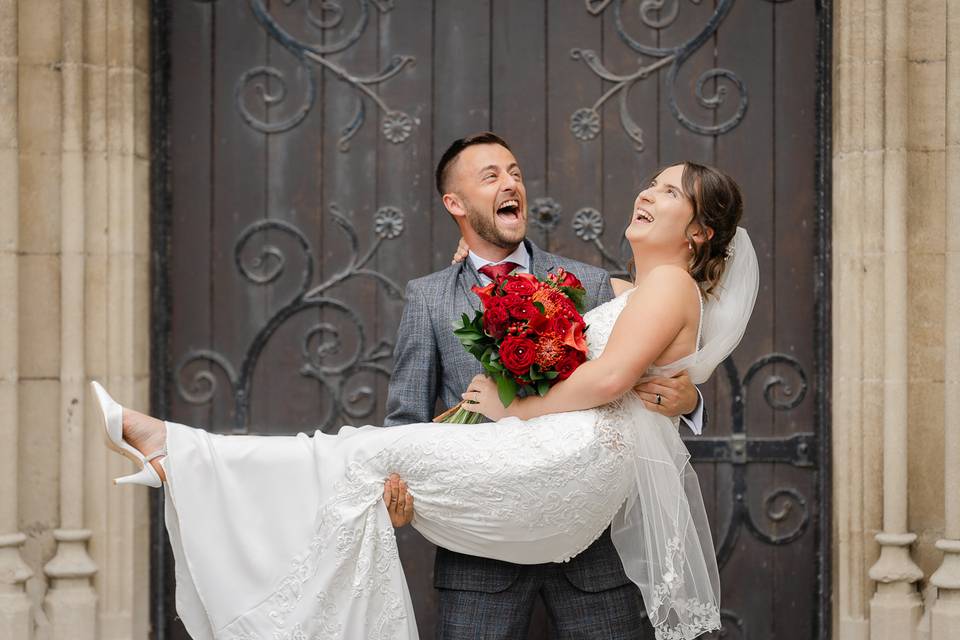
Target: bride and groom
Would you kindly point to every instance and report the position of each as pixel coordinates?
(286, 537)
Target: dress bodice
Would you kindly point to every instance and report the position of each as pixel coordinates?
(600, 321)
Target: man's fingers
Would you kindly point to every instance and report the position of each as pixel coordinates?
(653, 406)
(655, 388)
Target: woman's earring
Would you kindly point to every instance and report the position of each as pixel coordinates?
(689, 245)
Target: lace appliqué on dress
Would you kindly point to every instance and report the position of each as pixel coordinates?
(364, 557)
(701, 617)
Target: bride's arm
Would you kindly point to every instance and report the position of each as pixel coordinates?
(650, 322)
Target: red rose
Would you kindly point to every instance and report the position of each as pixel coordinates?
(566, 279)
(517, 354)
(568, 364)
(495, 318)
(524, 310)
(511, 300)
(520, 284)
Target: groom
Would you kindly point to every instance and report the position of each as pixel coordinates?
(482, 188)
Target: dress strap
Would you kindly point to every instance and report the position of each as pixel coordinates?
(700, 325)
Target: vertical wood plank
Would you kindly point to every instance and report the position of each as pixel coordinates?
(405, 181)
(574, 165)
(745, 46)
(284, 400)
(461, 93)
(239, 191)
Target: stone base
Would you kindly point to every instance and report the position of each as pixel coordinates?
(71, 608)
(945, 616)
(16, 623)
(895, 612)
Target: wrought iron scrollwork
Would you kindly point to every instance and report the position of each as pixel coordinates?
(396, 126)
(799, 450)
(585, 122)
(322, 344)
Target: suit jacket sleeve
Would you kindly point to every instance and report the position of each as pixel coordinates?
(412, 394)
(605, 291)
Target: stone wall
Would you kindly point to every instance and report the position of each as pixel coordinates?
(74, 252)
(895, 341)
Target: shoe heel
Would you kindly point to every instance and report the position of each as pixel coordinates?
(146, 476)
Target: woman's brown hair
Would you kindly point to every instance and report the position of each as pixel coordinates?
(717, 205)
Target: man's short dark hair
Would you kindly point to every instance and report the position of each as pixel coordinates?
(443, 167)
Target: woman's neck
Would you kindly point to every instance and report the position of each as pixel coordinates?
(646, 261)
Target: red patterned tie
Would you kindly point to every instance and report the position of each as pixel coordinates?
(499, 270)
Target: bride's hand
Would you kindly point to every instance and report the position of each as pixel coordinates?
(482, 397)
(461, 253)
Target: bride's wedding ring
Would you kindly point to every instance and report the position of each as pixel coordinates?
(659, 398)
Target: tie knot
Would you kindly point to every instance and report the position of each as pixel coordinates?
(497, 271)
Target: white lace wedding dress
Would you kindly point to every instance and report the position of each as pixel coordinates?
(287, 538)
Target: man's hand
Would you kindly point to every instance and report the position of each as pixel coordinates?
(399, 502)
(677, 395)
(463, 249)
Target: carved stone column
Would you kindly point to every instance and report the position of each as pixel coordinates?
(896, 606)
(16, 621)
(945, 614)
(70, 603)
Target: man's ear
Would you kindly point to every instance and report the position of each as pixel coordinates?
(453, 204)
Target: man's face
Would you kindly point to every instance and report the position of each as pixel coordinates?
(488, 182)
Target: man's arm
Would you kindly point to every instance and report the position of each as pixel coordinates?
(678, 397)
(412, 394)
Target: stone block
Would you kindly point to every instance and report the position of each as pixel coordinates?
(141, 115)
(39, 482)
(96, 183)
(141, 35)
(140, 214)
(9, 349)
(927, 105)
(95, 32)
(95, 320)
(926, 203)
(95, 131)
(120, 110)
(39, 215)
(39, 36)
(928, 33)
(9, 200)
(139, 315)
(39, 323)
(120, 33)
(870, 219)
(926, 317)
(925, 463)
(9, 122)
(39, 103)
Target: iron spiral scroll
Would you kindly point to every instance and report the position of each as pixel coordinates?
(199, 386)
(585, 123)
(270, 83)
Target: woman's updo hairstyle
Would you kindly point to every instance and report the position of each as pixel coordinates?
(717, 205)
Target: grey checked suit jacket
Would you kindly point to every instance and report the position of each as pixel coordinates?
(431, 364)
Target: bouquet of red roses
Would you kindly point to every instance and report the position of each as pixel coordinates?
(529, 336)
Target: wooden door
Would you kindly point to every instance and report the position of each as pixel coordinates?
(294, 148)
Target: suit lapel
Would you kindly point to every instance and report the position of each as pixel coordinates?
(541, 262)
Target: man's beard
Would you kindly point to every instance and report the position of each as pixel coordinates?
(487, 229)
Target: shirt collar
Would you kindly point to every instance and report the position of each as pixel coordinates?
(520, 255)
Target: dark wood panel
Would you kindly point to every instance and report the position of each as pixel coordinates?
(507, 66)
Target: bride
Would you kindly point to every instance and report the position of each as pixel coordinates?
(287, 538)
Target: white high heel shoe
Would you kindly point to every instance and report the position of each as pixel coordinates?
(113, 424)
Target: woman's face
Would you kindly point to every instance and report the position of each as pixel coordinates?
(662, 212)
